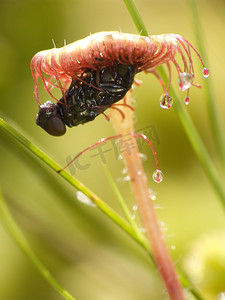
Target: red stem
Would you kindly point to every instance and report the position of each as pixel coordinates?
(147, 212)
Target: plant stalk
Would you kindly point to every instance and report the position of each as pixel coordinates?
(143, 199)
(134, 13)
(212, 103)
(13, 229)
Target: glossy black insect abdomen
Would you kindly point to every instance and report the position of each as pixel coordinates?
(101, 89)
(86, 98)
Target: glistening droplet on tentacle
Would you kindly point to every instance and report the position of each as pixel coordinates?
(205, 73)
(166, 101)
(185, 80)
(186, 100)
(157, 176)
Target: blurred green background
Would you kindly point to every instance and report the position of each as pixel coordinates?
(84, 250)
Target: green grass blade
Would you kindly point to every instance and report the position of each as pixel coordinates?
(12, 228)
(197, 144)
(214, 116)
(126, 210)
(136, 17)
(107, 210)
(187, 123)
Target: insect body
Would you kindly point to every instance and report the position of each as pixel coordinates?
(86, 98)
(86, 64)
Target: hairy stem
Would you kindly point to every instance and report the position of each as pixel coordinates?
(143, 199)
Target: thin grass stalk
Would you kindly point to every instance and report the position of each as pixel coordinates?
(13, 229)
(126, 210)
(197, 145)
(214, 115)
(134, 13)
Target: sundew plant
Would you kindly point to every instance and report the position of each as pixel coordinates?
(99, 226)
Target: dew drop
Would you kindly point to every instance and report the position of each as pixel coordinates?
(166, 101)
(157, 176)
(124, 171)
(123, 179)
(126, 178)
(185, 80)
(84, 199)
(163, 226)
(135, 207)
(153, 197)
(142, 156)
(134, 211)
(186, 100)
(205, 73)
(152, 194)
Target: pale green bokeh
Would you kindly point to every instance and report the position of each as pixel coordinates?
(84, 250)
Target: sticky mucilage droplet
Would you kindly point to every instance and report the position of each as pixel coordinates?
(157, 176)
(186, 100)
(205, 73)
(166, 101)
(185, 80)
